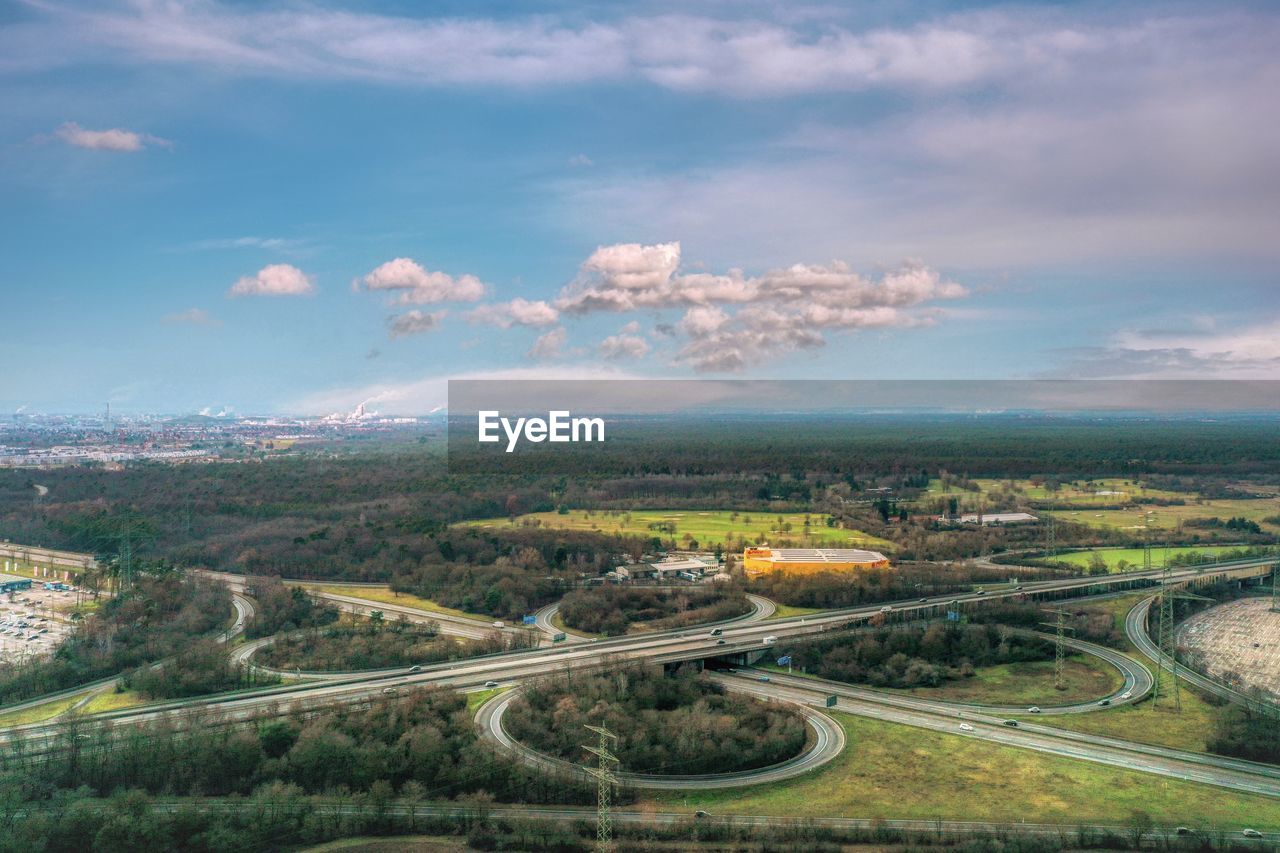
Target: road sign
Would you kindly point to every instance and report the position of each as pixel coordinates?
(558, 638)
(831, 701)
(953, 616)
(785, 660)
(529, 620)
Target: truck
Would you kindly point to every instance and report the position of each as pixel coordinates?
(770, 640)
(499, 624)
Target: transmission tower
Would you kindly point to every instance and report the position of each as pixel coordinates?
(1060, 628)
(1167, 652)
(605, 780)
(1050, 538)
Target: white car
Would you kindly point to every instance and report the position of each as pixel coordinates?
(1128, 694)
(1250, 833)
(1034, 709)
(965, 727)
(491, 684)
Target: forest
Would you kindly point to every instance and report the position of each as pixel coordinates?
(378, 645)
(163, 612)
(915, 656)
(681, 723)
(612, 610)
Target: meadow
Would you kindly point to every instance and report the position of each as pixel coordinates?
(892, 770)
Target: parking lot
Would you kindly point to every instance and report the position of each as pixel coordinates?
(33, 622)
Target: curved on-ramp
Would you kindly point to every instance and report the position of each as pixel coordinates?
(828, 742)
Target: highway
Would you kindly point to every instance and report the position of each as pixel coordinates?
(681, 645)
(828, 742)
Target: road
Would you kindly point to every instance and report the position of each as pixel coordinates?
(947, 717)
(1135, 628)
(674, 646)
(828, 742)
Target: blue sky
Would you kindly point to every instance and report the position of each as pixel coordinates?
(302, 206)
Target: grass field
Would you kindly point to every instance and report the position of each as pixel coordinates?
(1145, 723)
(890, 770)
(1133, 556)
(386, 595)
(113, 701)
(1101, 492)
(708, 528)
(478, 698)
(39, 713)
(786, 611)
(1027, 683)
(1169, 517)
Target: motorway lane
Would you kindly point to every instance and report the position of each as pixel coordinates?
(670, 646)
(658, 647)
(828, 742)
(952, 712)
(1135, 628)
(1204, 769)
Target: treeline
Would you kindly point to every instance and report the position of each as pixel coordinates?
(1246, 733)
(679, 724)
(419, 744)
(848, 589)
(510, 572)
(915, 656)
(611, 610)
(156, 618)
(377, 646)
(200, 668)
(283, 608)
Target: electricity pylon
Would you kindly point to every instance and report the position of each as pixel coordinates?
(1059, 624)
(605, 780)
(1166, 642)
(1050, 538)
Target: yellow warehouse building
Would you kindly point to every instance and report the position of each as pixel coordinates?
(803, 561)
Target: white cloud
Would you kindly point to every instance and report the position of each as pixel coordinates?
(581, 160)
(191, 317)
(113, 139)
(621, 346)
(735, 319)
(413, 322)
(274, 280)
(549, 345)
(418, 286)
(1200, 352)
(517, 312)
(696, 53)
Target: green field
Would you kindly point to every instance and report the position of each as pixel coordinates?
(707, 527)
(890, 770)
(386, 595)
(1133, 556)
(1146, 723)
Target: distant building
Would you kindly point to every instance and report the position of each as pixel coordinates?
(990, 518)
(756, 561)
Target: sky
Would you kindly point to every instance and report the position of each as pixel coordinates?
(299, 207)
